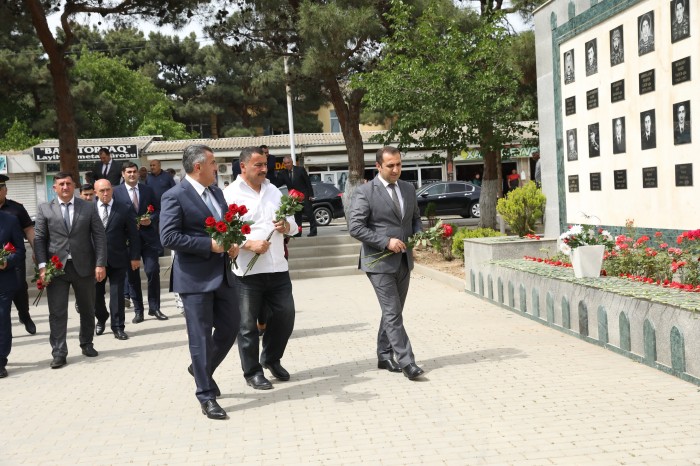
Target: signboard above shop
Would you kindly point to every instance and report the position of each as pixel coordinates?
(88, 153)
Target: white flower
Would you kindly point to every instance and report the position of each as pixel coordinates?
(565, 248)
(576, 230)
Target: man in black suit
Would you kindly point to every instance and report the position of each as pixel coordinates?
(10, 233)
(201, 271)
(271, 166)
(619, 146)
(139, 197)
(123, 253)
(383, 215)
(107, 168)
(70, 228)
(297, 178)
(648, 130)
(681, 124)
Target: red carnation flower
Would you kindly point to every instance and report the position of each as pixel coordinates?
(58, 265)
(210, 221)
(221, 227)
(242, 210)
(446, 231)
(150, 209)
(55, 260)
(40, 284)
(9, 247)
(233, 208)
(245, 229)
(299, 196)
(228, 216)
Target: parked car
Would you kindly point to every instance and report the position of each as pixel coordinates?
(327, 203)
(450, 198)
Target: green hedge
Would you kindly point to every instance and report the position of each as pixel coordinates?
(464, 232)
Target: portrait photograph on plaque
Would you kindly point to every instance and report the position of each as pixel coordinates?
(569, 72)
(681, 123)
(571, 145)
(647, 123)
(684, 174)
(645, 26)
(591, 57)
(618, 130)
(680, 20)
(617, 47)
(649, 177)
(594, 140)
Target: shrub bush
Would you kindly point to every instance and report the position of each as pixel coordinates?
(464, 233)
(522, 207)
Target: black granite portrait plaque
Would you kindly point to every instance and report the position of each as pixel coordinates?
(649, 178)
(647, 123)
(617, 47)
(684, 174)
(570, 105)
(617, 91)
(595, 182)
(571, 145)
(573, 183)
(645, 27)
(647, 82)
(680, 20)
(681, 71)
(591, 57)
(620, 177)
(592, 99)
(594, 140)
(618, 131)
(569, 76)
(681, 123)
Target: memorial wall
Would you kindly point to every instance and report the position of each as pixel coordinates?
(628, 82)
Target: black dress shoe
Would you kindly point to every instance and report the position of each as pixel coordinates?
(28, 324)
(138, 318)
(120, 335)
(99, 328)
(58, 361)
(388, 364)
(127, 302)
(412, 371)
(259, 382)
(3, 372)
(90, 351)
(217, 392)
(213, 411)
(158, 315)
(277, 371)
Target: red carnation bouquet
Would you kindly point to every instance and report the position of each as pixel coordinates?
(54, 268)
(147, 216)
(434, 237)
(231, 230)
(289, 205)
(6, 251)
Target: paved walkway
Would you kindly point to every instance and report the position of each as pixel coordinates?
(499, 389)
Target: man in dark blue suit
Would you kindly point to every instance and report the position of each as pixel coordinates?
(107, 168)
(138, 197)
(10, 233)
(201, 271)
(123, 253)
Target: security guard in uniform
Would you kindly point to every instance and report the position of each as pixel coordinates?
(21, 297)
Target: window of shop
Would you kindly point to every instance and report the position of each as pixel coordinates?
(335, 124)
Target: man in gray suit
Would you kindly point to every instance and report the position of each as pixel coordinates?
(383, 215)
(71, 229)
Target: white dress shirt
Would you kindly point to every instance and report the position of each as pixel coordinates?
(396, 188)
(261, 210)
(200, 190)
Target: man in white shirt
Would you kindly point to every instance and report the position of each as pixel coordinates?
(267, 285)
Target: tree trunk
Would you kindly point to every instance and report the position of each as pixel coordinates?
(58, 67)
(449, 163)
(214, 122)
(349, 119)
(489, 190)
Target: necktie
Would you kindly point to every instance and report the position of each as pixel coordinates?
(210, 205)
(395, 199)
(135, 200)
(105, 215)
(104, 170)
(66, 215)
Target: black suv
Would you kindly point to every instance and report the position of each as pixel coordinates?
(327, 203)
(450, 198)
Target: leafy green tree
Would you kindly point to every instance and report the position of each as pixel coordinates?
(159, 121)
(18, 137)
(449, 88)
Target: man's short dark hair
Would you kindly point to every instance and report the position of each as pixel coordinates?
(61, 175)
(247, 153)
(386, 150)
(103, 150)
(194, 153)
(86, 187)
(263, 146)
(126, 165)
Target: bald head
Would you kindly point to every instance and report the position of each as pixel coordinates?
(103, 189)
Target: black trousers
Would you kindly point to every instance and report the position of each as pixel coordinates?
(271, 292)
(152, 268)
(21, 296)
(116, 276)
(309, 212)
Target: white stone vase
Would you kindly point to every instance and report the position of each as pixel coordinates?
(587, 260)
